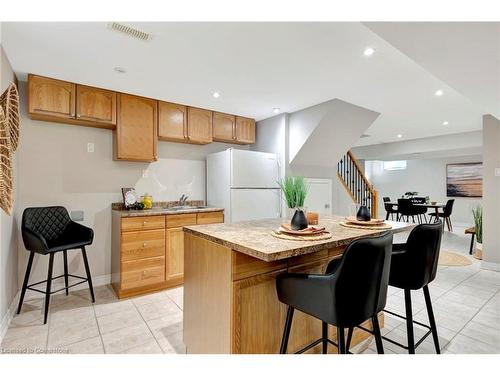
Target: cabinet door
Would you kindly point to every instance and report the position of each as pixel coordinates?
(175, 254)
(51, 97)
(199, 125)
(224, 127)
(136, 128)
(172, 121)
(96, 105)
(245, 130)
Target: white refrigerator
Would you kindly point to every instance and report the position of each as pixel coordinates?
(245, 184)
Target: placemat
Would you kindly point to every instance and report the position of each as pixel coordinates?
(311, 237)
(367, 227)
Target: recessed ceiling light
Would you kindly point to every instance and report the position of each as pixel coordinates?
(216, 94)
(400, 135)
(276, 110)
(369, 51)
(445, 122)
(119, 69)
(439, 93)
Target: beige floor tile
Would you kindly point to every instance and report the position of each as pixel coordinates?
(119, 320)
(179, 301)
(462, 344)
(126, 338)
(88, 346)
(62, 335)
(166, 325)
(113, 307)
(150, 298)
(32, 340)
(490, 319)
(173, 344)
(175, 292)
(66, 315)
(150, 347)
(158, 309)
(482, 332)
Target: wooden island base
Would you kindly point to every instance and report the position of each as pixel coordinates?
(231, 305)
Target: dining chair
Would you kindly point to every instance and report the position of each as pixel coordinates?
(389, 209)
(446, 214)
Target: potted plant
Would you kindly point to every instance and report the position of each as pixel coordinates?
(477, 213)
(295, 191)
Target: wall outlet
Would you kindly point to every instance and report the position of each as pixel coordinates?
(90, 147)
(497, 172)
(145, 173)
(77, 215)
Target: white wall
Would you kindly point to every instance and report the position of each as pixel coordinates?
(57, 170)
(428, 177)
(8, 237)
(491, 213)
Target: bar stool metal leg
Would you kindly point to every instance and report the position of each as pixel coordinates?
(378, 335)
(324, 328)
(286, 330)
(341, 340)
(49, 284)
(349, 339)
(65, 258)
(409, 322)
(89, 276)
(26, 279)
(432, 322)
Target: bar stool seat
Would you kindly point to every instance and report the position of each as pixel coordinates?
(46, 231)
(352, 291)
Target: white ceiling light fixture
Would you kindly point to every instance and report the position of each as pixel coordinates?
(132, 32)
(439, 93)
(216, 94)
(369, 51)
(119, 69)
(400, 135)
(276, 110)
(445, 122)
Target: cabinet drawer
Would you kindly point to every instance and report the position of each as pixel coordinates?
(142, 222)
(139, 273)
(210, 217)
(144, 244)
(180, 220)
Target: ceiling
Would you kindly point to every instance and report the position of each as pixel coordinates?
(255, 67)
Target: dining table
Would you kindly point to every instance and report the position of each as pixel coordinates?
(436, 206)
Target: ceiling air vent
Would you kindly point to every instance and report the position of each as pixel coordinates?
(130, 31)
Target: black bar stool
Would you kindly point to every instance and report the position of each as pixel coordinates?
(48, 230)
(414, 266)
(389, 209)
(353, 290)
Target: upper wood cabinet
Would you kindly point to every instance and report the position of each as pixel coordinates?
(224, 127)
(51, 97)
(95, 104)
(172, 122)
(136, 136)
(245, 130)
(199, 125)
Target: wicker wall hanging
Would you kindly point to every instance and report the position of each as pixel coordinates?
(9, 140)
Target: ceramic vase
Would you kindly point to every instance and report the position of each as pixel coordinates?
(299, 219)
(363, 214)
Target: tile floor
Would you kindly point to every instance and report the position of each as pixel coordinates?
(466, 302)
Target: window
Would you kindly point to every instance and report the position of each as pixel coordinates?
(394, 165)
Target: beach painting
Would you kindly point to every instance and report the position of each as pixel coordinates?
(464, 180)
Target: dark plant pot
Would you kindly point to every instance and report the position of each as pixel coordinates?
(363, 214)
(299, 220)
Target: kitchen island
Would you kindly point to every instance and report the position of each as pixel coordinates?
(230, 300)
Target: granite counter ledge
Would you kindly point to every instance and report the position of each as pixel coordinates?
(155, 211)
(254, 238)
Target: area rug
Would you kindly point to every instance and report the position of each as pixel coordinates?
(447, 258)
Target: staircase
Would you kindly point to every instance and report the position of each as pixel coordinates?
(359, 188)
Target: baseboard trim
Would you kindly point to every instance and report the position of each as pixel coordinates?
(490, 266)
(9, 314)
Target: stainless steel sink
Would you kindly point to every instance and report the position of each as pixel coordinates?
(180, 208)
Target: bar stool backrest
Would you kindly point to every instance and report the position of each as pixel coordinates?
(405, 207)
(47, 222)
(360, 288)
(447, 210)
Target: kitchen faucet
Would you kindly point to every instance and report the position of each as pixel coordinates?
(183, 199)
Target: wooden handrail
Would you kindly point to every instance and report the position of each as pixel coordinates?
(353, 179)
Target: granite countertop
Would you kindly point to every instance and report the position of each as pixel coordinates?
(163, 211)
(254, 237)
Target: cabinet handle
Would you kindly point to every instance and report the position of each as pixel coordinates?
(78, 115)
(72, 114)
(144, 222)
(144, 244)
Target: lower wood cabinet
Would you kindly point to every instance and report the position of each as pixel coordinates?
(148, 251)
